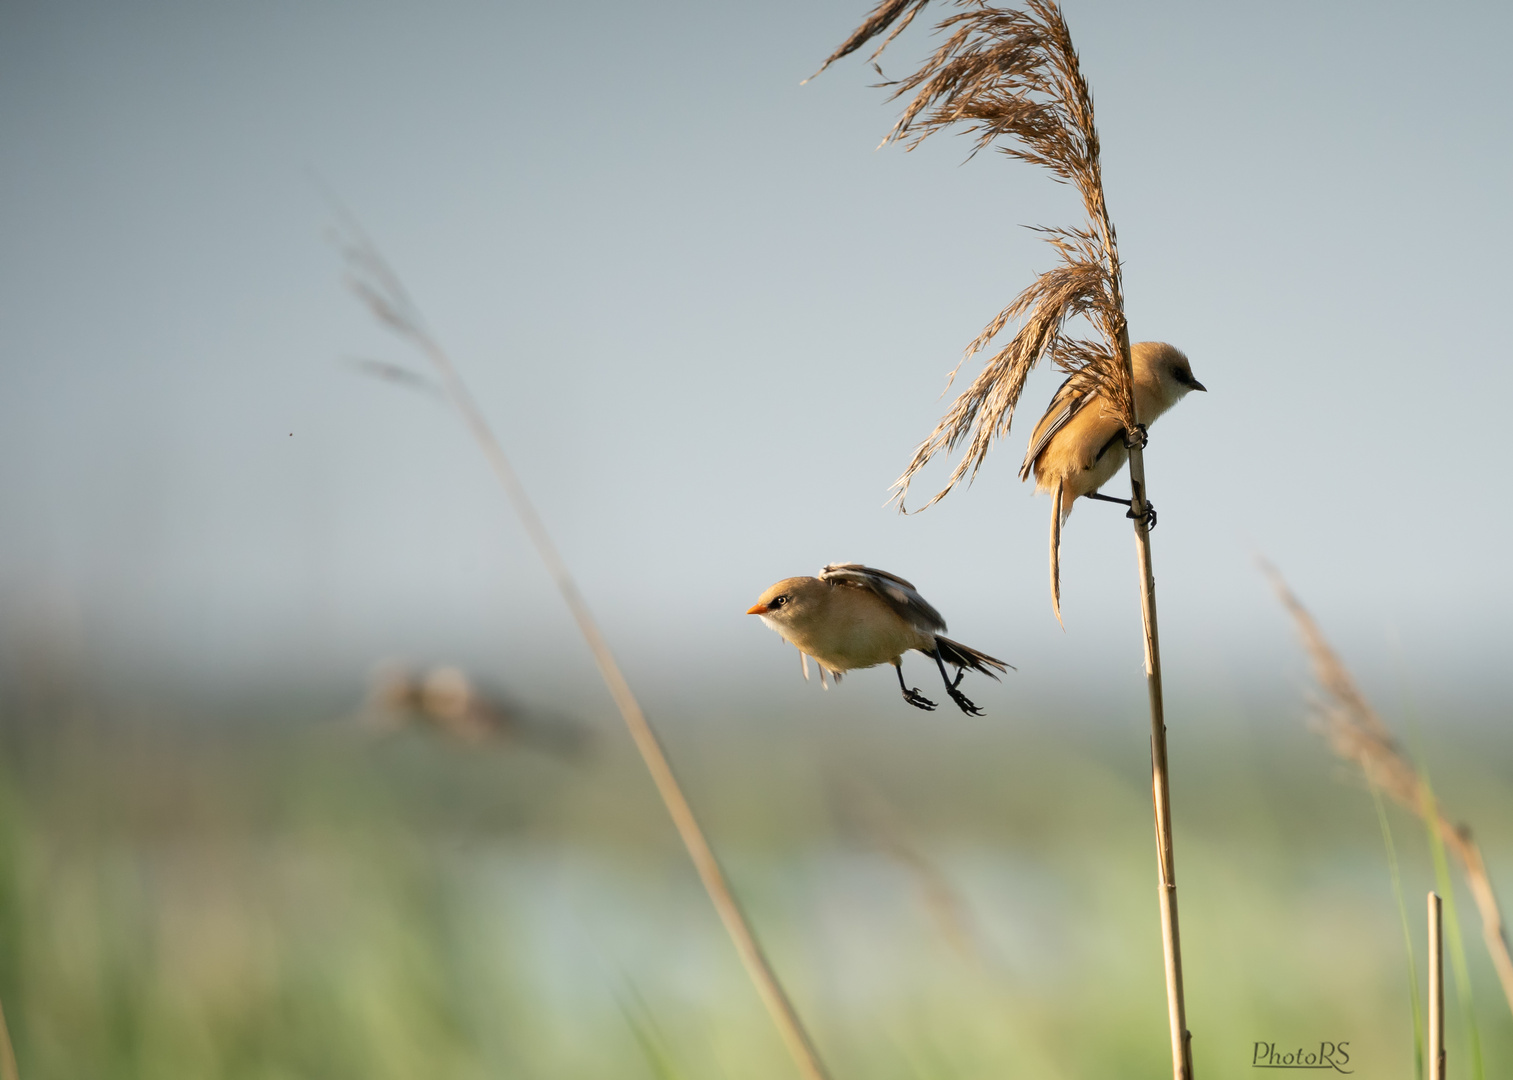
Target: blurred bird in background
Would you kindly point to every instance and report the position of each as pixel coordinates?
(853, 616)
(445, 700)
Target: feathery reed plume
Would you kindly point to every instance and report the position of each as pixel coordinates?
(376, 284)
(896, 13)
(1357, 734)
(1011, 79)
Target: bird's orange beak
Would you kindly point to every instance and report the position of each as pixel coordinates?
(758, 609)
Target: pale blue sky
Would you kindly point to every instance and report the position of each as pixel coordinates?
(710, 321)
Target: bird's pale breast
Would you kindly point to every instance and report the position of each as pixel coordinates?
(854, 628)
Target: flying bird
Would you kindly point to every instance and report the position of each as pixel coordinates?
(1079, 443)
(853, 616)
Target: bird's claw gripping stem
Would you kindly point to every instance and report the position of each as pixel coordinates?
(1136, 439)
(1149, 516)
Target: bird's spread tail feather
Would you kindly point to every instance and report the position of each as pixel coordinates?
(1057, 517)
(962, 656)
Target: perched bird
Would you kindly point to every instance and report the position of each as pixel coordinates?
(853, 616)
(1079, 443)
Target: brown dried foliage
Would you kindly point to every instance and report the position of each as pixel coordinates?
(1011, 79)
(1357, 734)
(886, 14)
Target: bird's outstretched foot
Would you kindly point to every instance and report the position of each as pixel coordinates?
(1150, 516)
(963, 702)
(918, 700)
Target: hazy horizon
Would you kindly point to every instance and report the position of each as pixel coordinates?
(710, 321)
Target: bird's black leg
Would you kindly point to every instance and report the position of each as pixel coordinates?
(962, 701)
(1105, 498)
(913, 697)
(1150, 509)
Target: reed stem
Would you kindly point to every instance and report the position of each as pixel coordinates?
(1171, 937)
(1010, 77)
(1436, 992)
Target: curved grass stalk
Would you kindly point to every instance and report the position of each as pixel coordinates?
(1402, 911)
(377, 285)
(1357, 734)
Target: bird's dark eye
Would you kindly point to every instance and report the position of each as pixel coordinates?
(778, 602)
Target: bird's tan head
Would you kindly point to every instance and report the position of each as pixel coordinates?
(1167, 367)
(789, 601)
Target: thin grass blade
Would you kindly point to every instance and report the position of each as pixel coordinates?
(1402, 909)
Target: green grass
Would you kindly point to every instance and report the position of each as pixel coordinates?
(1414, 997)
(213, 902)
(1459, 966)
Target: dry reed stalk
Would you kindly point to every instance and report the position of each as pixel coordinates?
(376, 284)
(1436, 991)
(1357, 734)
(1012, 78)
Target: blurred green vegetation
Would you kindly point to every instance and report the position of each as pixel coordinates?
(187, 896)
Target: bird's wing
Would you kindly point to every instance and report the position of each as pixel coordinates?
(899, 594)
(1066, 404)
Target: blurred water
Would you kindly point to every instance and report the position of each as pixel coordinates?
(187, 898)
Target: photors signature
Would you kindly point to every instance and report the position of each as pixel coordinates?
(1329, 1055)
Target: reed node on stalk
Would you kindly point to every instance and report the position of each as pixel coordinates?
(1357, 734)
(1010, 78)
(375, 283)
